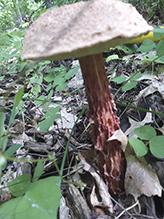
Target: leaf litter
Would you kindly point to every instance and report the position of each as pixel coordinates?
(141, 179)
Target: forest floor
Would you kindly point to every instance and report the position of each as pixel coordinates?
(144, 196)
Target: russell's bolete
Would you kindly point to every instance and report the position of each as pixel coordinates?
(84, 30)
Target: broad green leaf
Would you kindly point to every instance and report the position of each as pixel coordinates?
(50, 70)
(61, 87)
(158, 33)
(12, 117)
(19, 185)
(42, 68)
(21, 66)
(41, 201)
(7, 209)
(159, 48)
(137, 76)
(2, 120)
(161, 59)
(145, 132)
(40, 99)
(3, 143)
(12, 149)
(46, 123)
(71, 72)
(38, 171)
(58, 80)
(119, 79)
(18, 96)
(47, 62)
(111, 57)
(156, 145)
(130, 49)
(11, 71)
(146, 46)
(129, 85)
(50, 94)
(49, 87)
(46, 105)
(139, 147)
(52, 111)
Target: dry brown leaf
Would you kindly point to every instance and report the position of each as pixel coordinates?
(102, 187)
(134, 124)
(120, 136)
(155, 85)
(141, 179)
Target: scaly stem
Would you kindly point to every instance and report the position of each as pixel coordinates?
(110, 157)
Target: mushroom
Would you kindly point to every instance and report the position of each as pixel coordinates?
(84, 30)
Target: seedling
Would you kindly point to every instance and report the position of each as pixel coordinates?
(147, 140)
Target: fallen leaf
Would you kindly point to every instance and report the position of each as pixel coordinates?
(141, 179)
(102, 187)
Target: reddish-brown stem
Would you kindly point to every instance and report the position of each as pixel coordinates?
(110, 157)
(99, 97)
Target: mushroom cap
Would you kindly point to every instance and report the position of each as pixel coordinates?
(82, 28)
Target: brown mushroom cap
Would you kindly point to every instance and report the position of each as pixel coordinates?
(81, 29)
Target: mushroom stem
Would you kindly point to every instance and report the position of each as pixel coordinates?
(110, 157)
(101, 105)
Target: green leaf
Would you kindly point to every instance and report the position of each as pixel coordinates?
(46, 123)
(161, 60)
(40, 99)
(129, 85)
(18, 96)
(49, 118)
(158, 33)
(19, 185)
(12, 149)
(49, 87)
(111, 57)
(61, 87)
(13, 114)
(137, 76)
(145, 132)
(50, 94)
(51, 111)
(146, 46)
(21, 66)
(41, 201)
(159, 48)
(38, 171)
(58, 80)
(139, 147)
(71, 72)
(119, 79)
(47, 103)
(2, 120)
(3, 143)
(128, 49)
(11, 71)
(7, 209)
(156, 146)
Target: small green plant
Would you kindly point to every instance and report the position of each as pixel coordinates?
(146, 47)
(147, 140)
(130, 83)
(32, 199)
